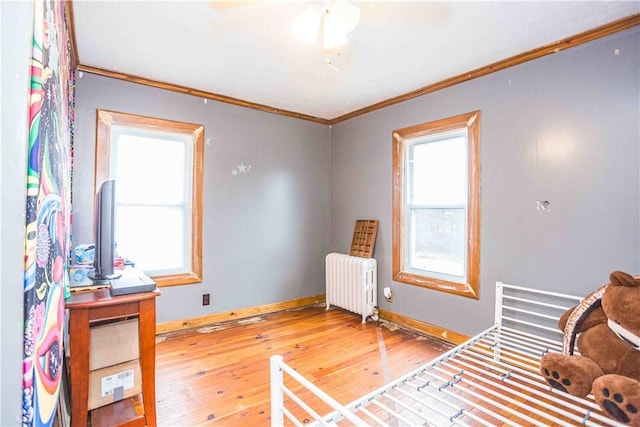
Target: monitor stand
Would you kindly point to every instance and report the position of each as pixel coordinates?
(103, 279)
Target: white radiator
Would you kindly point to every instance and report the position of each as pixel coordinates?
(352, 283)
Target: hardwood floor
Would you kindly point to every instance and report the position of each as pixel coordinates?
(220, 374)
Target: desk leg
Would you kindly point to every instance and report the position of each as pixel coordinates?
(148, 358)
(79, 353)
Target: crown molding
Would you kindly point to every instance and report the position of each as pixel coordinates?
(197, 92)
(560, 45)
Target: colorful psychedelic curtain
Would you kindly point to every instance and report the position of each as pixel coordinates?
(47, 233)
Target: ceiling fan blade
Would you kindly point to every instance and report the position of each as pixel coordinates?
(307, 24)
(334, 35)
(345, 14)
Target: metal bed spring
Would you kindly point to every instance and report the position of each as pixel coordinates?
(492, 379)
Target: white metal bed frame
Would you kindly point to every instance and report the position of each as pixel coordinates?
(493, 378)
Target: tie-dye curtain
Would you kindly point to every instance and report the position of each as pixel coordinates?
(47, 234)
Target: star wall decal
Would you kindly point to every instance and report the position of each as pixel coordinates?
(241, 168)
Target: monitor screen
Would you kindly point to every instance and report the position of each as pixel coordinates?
(104, 233)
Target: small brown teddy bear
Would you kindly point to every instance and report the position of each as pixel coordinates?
(609, 344)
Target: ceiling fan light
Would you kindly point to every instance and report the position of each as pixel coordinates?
(334, 36)
(345, 14)
(306, 26)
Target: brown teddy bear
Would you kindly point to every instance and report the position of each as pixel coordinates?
(608, 324)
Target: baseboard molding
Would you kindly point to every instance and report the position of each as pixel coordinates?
(410, 323)
(225, 316)
(243, 313)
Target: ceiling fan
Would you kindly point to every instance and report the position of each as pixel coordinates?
(329, 19)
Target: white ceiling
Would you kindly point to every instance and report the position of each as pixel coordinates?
(248, 51)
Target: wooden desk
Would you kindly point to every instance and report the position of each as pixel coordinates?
(92, 306)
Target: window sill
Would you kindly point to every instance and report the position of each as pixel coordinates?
(462, 289)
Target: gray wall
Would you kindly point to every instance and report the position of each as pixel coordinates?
(579, 108)
(16, 24)
(564, 128)
(265, 233)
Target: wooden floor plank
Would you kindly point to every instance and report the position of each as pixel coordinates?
(220, 374)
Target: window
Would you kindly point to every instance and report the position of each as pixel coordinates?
(157, 165)
(436, 205)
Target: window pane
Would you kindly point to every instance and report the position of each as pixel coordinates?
(436, 204)
(152, 237)
(439, 172)
(150, 170)
(438, 240)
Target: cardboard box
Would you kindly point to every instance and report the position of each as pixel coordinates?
(114, 383)
(113, 343)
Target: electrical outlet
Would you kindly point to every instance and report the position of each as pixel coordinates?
(205, 299)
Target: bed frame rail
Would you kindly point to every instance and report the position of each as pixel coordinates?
(492, 379)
